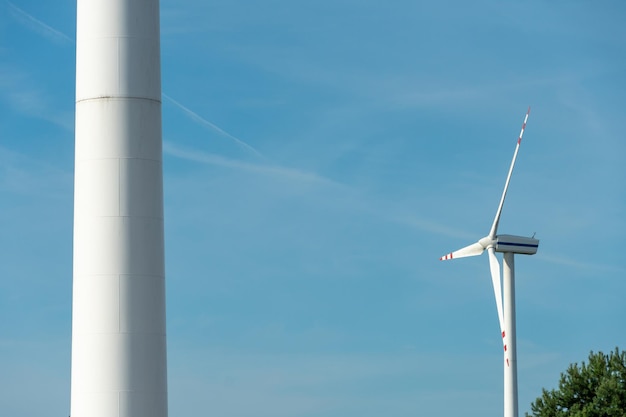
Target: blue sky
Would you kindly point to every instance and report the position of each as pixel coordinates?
(319, 157)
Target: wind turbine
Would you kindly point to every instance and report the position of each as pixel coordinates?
(505, 300)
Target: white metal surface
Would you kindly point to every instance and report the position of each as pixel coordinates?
(494, 267)
(118, 317)
(510, 355)
(516, 244)
(470, 250)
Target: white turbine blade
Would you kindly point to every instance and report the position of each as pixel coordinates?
(471, 250)
(494, 266)
(496, 220)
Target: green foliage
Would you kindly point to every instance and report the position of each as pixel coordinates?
(595, 389)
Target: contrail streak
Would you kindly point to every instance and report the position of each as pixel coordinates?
(207, 158)
(37, 24)
(214, 127)
(54, 34)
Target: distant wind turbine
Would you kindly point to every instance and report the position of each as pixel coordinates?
(505, 302)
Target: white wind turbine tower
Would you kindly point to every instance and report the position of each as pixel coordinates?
(119, 349)
(505, 300)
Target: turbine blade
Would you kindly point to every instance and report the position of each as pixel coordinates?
(496, 220)
(471, 250)
(494, 266)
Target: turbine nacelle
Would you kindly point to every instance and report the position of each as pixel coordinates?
(516, 244)
(501, 243)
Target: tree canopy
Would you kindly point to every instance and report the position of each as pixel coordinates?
(593, 389)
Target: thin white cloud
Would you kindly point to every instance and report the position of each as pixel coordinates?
(21, 92)
(23, 175)
(37, 25)
(17, 89)
(203, 122)
(355, 200)
(305, 384)
(578, 264)
(434, 227)
(265, 169)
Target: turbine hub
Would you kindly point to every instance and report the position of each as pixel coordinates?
(487, 242)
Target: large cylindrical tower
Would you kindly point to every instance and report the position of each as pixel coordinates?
(118, 318)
